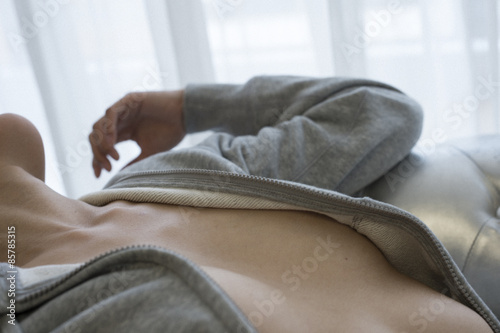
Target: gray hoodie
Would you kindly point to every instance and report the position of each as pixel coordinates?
(279, 142)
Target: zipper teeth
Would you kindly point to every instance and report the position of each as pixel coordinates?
(372, 206)
(476, 306)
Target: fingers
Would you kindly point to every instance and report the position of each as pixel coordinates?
(102, 143)
(118, 124)
(102, 140)
(97, 168)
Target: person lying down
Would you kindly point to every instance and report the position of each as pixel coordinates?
(256, 229)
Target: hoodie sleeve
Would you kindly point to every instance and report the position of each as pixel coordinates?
(335, 133)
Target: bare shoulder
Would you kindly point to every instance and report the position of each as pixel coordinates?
(21, 145)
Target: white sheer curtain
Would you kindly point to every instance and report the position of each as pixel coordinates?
(63, 62)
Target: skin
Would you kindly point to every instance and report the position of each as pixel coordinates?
(269, 262)
(154, 120)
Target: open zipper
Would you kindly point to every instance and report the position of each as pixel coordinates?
(307, 197)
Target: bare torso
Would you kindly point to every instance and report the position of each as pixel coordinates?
(288, 271)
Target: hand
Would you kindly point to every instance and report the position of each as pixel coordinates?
(154, 120)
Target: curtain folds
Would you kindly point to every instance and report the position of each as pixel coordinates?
(63, 62)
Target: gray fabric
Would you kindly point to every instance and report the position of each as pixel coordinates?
(293, 140)
(338, 134)
(131, 290)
